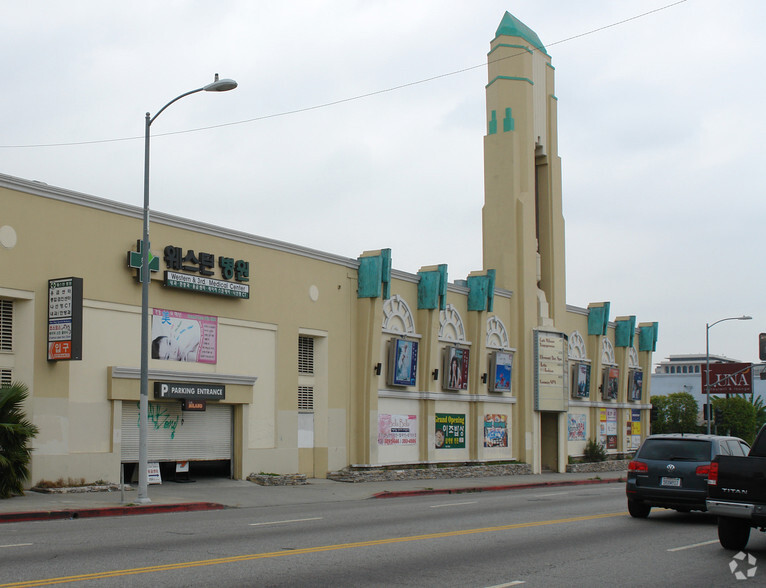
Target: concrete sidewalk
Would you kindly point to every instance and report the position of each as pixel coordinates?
(207, 493)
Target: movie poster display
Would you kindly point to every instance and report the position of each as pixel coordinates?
(610, 386)
(455, 375)
(180, 336)
(402, 362)
(581, 381)
(500, 371)
(495, 430)
(636, 385)
(450, 431)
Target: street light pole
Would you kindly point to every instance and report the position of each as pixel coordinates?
(707, 360)
(143, 406)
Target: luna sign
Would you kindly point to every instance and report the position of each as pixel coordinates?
(729, 378)
(189, 391)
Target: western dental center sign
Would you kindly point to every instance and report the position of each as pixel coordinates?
(192, 271)
(194, 396)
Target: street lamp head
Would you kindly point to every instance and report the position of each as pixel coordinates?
(223, 85)
(745, 318)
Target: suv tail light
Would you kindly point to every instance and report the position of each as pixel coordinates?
(712, 476)
(637, 466)
(703, 470)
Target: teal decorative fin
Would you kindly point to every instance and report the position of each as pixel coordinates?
(481, 291)
(598, 319)
(432, 288)
(623, 333)
(647, 337)
(374, 275)
(386, 273)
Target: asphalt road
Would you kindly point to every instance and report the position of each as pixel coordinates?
(570, 536)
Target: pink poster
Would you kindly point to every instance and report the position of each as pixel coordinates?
(181, 336)
(397, 429)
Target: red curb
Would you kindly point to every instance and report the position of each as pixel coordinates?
(402, 493)
(110, 511)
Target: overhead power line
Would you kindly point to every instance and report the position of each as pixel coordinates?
(345, 100)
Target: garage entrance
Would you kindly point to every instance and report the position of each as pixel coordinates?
(204, 439)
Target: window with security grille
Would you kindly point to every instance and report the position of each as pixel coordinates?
(305, 355)
(305, 397)
(6, 325)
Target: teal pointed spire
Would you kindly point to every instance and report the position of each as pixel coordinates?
(513, 27)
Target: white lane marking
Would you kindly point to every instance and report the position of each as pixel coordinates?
(290, 521)
(694, 545)
(451, 504)
(17, 545)
(549, 494)
(514, 583)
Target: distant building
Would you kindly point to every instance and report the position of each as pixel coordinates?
(684, 373)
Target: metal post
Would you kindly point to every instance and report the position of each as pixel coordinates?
(707, 375)
(744, 317)
(143, 407)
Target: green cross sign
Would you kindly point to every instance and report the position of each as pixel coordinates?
(135, 258)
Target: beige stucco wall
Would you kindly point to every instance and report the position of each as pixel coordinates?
(296, 291)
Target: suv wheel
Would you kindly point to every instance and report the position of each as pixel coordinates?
(733, 533)
(638, 510)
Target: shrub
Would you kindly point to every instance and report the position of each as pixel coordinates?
(594, 451)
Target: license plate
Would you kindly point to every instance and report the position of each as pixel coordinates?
(676, 482)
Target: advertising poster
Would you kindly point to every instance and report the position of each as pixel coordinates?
(495, 430)
(636, 385)
(450, 431)
(455, 369)
(180, 336)
(611, 428)
(404, 362)
(635, 429)
(577, 424)
(582, 381)
(397, 429)
(501, 372)
(611, 380)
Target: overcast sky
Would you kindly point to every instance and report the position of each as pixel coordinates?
(358, 125)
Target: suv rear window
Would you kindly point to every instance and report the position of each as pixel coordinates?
(675, 449)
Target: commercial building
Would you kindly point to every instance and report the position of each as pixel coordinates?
(269, 357)
(685, 373)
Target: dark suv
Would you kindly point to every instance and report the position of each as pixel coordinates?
(670, 471)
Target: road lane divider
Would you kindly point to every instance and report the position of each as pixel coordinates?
(185, 565)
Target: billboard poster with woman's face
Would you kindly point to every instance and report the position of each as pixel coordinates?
(455, 369)
(180, 336)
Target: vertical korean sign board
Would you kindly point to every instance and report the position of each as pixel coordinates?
(65, 319)
(551, 361)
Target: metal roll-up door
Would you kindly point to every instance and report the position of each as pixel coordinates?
(178, 435)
